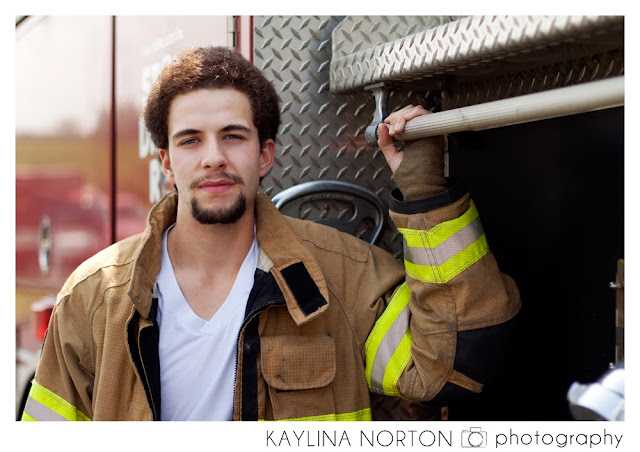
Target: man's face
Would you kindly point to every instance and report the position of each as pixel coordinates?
(214, 156)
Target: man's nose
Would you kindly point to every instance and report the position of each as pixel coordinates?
(214, 156)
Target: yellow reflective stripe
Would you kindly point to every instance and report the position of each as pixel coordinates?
(446, 250)
(27, 418)
(53, 402)
(439, 274)
(441, 232)
(396, 365)
(386, 346)
(361, 415)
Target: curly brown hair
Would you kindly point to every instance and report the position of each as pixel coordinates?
(207, 68)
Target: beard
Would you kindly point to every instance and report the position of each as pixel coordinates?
(226, 215)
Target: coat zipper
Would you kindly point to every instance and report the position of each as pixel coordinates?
(246, 321)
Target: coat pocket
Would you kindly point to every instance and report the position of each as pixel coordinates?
(299, 372)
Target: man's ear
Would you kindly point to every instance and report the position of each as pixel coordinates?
(166, 165)
(267, 157)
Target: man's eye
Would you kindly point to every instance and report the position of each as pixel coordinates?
(233, 137)
(189, 141)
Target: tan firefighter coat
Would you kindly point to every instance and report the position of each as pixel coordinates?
(329, 319)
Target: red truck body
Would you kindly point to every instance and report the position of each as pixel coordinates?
(86, 171)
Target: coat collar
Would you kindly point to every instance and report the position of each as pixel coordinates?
(148, 259)
(295, 270)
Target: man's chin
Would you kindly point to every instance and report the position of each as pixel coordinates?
(224, 215)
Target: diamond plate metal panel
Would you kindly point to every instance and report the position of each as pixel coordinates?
(355, 33)
(472, 45)
(322, 133)
(473, 60)
(461, 93)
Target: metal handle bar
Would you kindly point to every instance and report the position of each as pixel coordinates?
(601, 94)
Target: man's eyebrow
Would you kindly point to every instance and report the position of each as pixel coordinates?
(228, 128)
(232, 127)
(184, 132)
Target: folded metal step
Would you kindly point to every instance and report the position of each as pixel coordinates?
(475, 47)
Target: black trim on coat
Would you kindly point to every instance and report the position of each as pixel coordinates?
(455, 190)
(303, 287)
(144, 352)
(250, 352)
(149, 351)
(264, 293)
(483, 355)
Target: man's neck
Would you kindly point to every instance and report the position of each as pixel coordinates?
(207, 258)
(210, 245)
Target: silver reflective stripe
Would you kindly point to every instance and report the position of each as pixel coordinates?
(447, 249)
(387, 347)
(40, 412)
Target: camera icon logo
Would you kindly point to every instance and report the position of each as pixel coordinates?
(474, 437)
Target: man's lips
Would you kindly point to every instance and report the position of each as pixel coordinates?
(216, 186)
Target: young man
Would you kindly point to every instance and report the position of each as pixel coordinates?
(225, 309)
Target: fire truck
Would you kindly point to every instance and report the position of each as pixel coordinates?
(534, 111)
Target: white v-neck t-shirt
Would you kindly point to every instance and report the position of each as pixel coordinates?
(198, 357)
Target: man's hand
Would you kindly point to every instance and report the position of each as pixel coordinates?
(392, 126)
(418, 170)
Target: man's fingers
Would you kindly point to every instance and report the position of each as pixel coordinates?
(393, 125)
(415, 112)
(397, 120)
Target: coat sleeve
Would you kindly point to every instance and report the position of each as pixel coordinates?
(62, 388)
(444, 328)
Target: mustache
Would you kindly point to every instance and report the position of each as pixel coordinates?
(218, 177)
